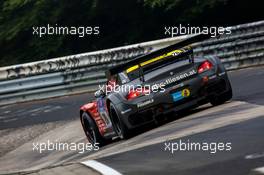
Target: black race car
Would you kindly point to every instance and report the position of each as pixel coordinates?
(151, 86)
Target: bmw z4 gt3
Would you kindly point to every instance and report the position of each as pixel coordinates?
(153, 85)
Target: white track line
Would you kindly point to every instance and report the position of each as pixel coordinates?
(255, 156)
(101, 168)
(258, 171)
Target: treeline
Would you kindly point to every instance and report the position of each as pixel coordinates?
(121, 22)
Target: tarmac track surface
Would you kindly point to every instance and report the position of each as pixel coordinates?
(239, 122)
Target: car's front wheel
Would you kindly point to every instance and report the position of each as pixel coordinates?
(118, 124)
(91, 130)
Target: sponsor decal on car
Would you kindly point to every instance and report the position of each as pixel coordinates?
(102, 111)
(145, 103)
(186, 93)
(176, 78)
(179, 95)
(173, 53)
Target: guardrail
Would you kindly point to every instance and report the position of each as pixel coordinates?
(83, 72)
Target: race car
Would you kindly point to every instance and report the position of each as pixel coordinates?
(151, 86)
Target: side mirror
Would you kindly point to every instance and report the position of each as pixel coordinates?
(99, 94)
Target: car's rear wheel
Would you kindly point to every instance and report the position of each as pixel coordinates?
(91, 130)
(220, 99)
(118, 124)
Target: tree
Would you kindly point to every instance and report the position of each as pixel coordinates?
(121, 23)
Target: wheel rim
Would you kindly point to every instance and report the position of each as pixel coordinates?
(117, 126)
(89, 130)
(91, 134)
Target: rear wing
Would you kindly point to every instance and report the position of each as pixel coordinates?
(177, 50)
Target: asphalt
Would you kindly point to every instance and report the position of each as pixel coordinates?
(239, 122)
(246, 139)
(71, 169)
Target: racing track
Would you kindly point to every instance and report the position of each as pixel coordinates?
(240, 122)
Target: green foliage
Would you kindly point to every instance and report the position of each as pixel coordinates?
(121, 22)
(19, 16)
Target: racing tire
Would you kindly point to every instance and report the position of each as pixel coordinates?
(118, 124)
(221, 99)
(91, 130)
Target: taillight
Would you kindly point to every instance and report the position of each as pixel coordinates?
(133, 94)
(207, 65)
(136, 93)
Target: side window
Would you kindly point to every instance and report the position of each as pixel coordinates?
(122, 78)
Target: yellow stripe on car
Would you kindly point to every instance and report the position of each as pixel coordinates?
(153, 60)
(132, 68)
